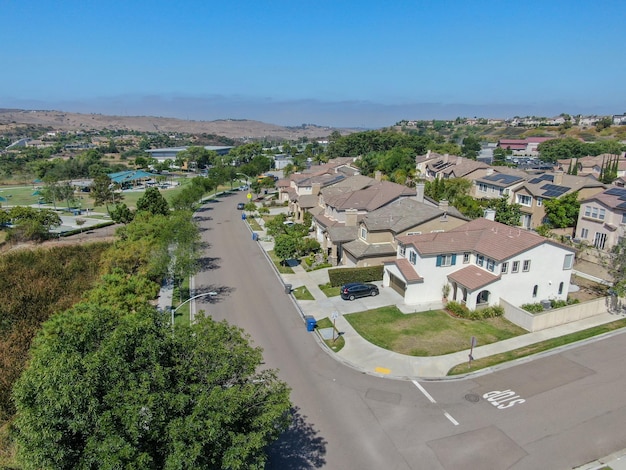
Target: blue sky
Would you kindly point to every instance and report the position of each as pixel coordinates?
(336, 63)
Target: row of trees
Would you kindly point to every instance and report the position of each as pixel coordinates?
(111, 384)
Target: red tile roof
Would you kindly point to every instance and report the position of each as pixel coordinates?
(472, 277)
(489, 238)
(407, 270)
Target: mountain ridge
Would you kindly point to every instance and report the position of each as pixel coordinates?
(232, 128)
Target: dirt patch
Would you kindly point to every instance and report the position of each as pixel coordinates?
(589, 290)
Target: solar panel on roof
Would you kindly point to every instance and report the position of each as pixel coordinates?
(505, 179)
(620, 192)
(541, 178)
(622, 206)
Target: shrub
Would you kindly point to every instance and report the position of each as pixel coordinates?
(532, 308)
(342, 276)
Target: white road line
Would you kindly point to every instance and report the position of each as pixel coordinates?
(454, 421)
(423, 390)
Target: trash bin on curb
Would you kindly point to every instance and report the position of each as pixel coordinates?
(243, 216)
(255, 236)
(311, 323)
(288, 288)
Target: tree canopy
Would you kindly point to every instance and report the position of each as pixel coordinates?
(109, 389)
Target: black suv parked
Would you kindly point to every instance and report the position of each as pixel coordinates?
(355, 290)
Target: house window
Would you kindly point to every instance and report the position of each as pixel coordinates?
(413, 257)
(584, 233)
(446, 260)
(491, 264)
(363, 233)
(624, 218)
(505, 268)
(587, 211)
(466, 258)
(535, 289)
(539, 202)
(515, 268)
(595, 212)
(482, 187)
(568, 262)
(480, 260)
(403, 251)
(560, 288)
(526, 266)
(599, 240)
(524, 200)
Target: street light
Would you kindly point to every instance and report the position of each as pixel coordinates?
(212, 294)
(247, 178)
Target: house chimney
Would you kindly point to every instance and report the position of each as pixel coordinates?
(316, 188)
(419, 190)
(351, 217)
(459, 159)
(489, 172)
(443, 205)
(490, 214)
(558, 177)
(378, 175)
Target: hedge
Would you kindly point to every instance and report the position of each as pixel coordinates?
(341, 276)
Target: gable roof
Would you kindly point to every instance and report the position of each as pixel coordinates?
(613, 198)
(406, 269)
(370, 198)
(473, 277)
(404, 214)
(491, 239)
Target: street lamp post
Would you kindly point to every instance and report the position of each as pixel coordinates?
(212, 294)
(247, 178)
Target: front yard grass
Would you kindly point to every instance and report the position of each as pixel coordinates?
(537, 348)
(329, 290)
(432, 333)
(254, 225)
(282, 269)
(302, 293)
(339, 342)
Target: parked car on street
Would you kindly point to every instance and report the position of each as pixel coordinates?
(354, 290)
(240, 206)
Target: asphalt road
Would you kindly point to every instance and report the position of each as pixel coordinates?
(557, 412)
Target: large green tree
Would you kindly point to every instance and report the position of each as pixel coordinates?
(153, 201)
(562, 212)
(108, 389)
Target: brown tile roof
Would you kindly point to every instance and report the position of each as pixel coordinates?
(407, 270)
(610, 198)
(404, 214)
(489, 238)
(371, 197)
(359, 249)
(472, 277)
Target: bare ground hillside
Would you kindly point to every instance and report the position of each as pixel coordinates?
(235, 129)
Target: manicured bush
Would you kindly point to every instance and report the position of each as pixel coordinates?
(532, 308)
(341, 276)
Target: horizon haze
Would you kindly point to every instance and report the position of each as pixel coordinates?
(348, 64)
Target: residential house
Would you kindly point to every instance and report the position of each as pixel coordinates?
(374, 236)
(479, 263)
(602, 219)
(342, 205)
(592, 164)
(531, 194)
(497, 184)
(450, 166)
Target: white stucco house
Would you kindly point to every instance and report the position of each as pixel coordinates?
(481, 262)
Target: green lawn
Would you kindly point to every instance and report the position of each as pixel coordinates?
(339, 342)
(281, 268)
(329, 290)
(431, 333)
(302, 293)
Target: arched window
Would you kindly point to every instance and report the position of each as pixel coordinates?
(535, 289)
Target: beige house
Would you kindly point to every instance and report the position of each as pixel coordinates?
(537, 188)
(602, 219)
(342, 205)
(374, 241)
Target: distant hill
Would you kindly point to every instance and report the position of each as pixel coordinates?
(232, 128)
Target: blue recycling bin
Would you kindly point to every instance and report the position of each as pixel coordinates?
(243, 216)
(311, 323)
(255, 236)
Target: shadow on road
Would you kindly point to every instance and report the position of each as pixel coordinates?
(219, 293)
(207, 263)
(299, 448)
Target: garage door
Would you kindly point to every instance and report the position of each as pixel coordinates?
(397, 284)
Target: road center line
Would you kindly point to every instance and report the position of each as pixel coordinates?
(423, 390)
